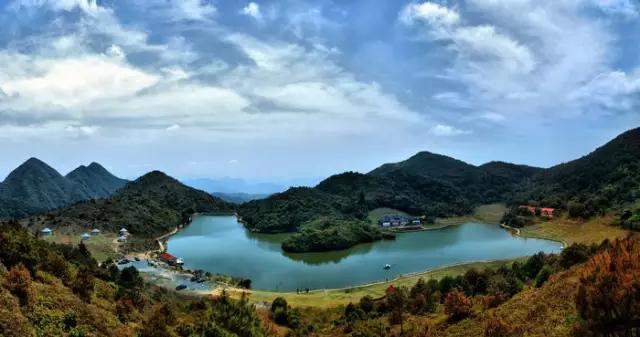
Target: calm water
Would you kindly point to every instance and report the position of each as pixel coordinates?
(220, 244)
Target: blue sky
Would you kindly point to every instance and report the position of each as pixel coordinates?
(269, 90)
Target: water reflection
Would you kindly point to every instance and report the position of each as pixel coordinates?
(219, 244)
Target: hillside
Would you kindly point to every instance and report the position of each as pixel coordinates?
(607, 178)
(35, 187)
(96, 180)
(439, 186)
(149, 206)
(55, 290)
(425, 184)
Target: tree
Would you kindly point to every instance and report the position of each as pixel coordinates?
(84, 284)
(456, 305)
(397, 302)
(608, 297)
(574, 254)
(543, 275)
(576, 209)
(18, 281)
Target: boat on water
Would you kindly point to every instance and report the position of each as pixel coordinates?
(387, 266)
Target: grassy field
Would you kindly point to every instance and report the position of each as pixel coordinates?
(575, 231)
(101, 246)
(335, 297)
(378, 213)
(491, 213)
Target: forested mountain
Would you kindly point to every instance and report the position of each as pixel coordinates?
(426, 183)
(607, 178)
(151, 205)
(436, 185)
(35, 187)
(96, 180)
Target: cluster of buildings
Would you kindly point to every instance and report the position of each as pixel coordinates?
(398, 221)
(546, 212)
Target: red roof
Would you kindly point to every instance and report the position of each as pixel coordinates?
(390, 289)
(547, 209)
(167, 257)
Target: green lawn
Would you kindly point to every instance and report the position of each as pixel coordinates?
(376, 214)
(336, 297)
(491, 213)
(576, 231)
(101, 246)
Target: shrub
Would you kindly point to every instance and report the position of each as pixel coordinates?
(543, 275)
(18, 282)
(456, 305)
(608, 298)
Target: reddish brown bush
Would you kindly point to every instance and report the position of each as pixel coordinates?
(609, 295)
(18, 281)
(457, 305)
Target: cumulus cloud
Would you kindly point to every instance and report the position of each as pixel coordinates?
(443, 130)
(252, 9)
(432, 13)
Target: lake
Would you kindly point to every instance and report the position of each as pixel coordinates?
(219, 244)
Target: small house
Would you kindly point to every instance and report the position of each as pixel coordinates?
(547, 212)
(95, 231)
(168, 259)
(85, 236)
(386, 224)
(124, 232)
(46, 232)
(415, 221)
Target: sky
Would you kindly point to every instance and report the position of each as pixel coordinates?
(276, 90)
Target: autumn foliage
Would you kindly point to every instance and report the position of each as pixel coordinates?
(608, 299)
(457, 305)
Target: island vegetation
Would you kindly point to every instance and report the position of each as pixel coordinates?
(328, 233)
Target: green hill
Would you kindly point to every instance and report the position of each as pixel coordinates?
(35, 187)
(425, 184)
(606, 179)
(96, 180)
(149, 206)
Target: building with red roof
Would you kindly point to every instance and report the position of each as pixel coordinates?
(168, 258)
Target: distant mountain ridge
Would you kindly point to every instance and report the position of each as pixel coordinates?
(436, 185)
(35, 187)
(426, 183)
(96, 180)
(149, 206)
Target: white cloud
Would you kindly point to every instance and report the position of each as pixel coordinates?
(88, 6)
(194, 9)
(252, 9)
(71, 82)
(622, 7)
(614, 90)
(443, 130)
(233, 162)
(173, 127)
(526, 67)
(432, 13)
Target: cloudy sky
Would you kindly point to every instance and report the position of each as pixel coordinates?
(269, 90)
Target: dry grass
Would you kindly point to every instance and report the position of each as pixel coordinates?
(575, 231)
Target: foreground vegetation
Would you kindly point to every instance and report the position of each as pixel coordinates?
(544, 295)
(48, 289)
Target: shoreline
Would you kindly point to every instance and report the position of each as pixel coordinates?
(517, 232)
(369, 286)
